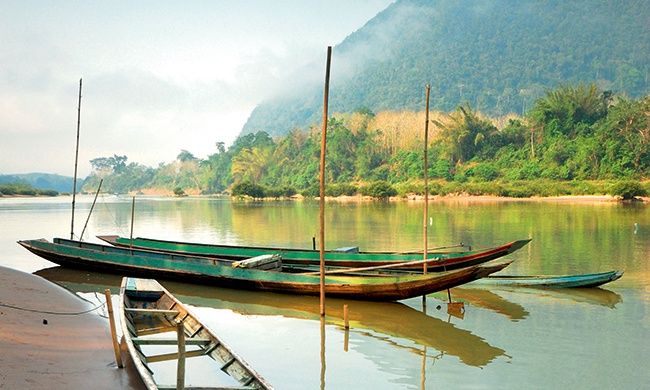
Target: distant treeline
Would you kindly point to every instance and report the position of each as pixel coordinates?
(13, 189)
(574, 134)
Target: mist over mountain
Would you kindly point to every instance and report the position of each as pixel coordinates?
(42, 181)
(498, 56)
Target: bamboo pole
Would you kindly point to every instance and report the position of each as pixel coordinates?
(111, 320)
(426, 180)
(180, 368)
(132, 219)
(99, 187)
(323, 149)
(426, 187)
(345, 317)
(323, 365)
(76, 160)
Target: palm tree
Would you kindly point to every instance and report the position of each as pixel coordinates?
(251, 164)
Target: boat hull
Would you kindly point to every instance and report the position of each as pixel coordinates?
(148, 309)
(213, 272)
(553, 281)
(439, 261)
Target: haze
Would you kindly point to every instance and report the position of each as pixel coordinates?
(158, 76)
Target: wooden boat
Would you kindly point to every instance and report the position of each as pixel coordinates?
(370, 319)
(194, 269)
(552, 281)
(346, 257)
(152, 318)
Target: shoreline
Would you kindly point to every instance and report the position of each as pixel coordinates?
(53, 351)
(582, 199)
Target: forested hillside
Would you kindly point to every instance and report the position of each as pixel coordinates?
(576, 139)
(41, 181)
(498, 56)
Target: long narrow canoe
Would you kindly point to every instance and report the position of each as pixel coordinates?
(193, 269)
(439, 261)
(552, 281)
(150, 317)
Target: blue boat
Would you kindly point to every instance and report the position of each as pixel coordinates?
(551, 281)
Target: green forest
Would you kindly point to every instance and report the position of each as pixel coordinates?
(576, 139)
(498, 56)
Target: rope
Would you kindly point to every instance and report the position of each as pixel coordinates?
(113, 215)
(53, 312)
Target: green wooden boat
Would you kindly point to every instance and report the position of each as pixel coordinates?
(194, 269)
(552, 281)
(437, 261)
(152, 320)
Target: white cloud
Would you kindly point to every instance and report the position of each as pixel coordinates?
(158, 77)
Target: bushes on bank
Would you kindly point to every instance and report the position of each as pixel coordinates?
(280, 192)
(246, 188)
(340, 189)
(256, 191)
(379, 190)
(515, 189)
(628, 189)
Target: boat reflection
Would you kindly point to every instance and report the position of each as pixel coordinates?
(592, 296)
(391, 319)
(490, 300)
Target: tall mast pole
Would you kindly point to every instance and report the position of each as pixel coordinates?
(76, 160)
(426, 188)
(323, 146)
(426, 179)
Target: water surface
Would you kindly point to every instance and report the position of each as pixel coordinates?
(506, 338)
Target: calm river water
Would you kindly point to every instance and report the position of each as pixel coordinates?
(507, 338)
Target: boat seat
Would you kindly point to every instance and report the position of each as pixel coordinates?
(171, 341)
(152, 312)
(263, 262)
(347, 249)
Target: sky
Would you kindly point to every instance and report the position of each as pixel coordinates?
(158, 76)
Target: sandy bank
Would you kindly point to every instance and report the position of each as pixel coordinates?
(68, 352)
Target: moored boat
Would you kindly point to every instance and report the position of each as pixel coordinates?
(194, 269)
(552, 281)
(346, 257)
(152, 318)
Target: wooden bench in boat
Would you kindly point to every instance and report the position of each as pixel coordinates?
(263, 262)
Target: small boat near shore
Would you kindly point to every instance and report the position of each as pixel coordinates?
(551, 281)
(384, 286)
(342, 257)
(153, 319)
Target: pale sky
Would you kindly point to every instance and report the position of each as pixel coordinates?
(158, 76)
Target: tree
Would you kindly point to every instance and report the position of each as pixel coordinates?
(570, 110)
(251, 164)
(184, 156)
(115, 164)
(464, 133)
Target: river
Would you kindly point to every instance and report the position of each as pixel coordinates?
(506, 338)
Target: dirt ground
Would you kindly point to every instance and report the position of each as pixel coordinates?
(54, 351)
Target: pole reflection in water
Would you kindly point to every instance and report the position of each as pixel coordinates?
(322, 353)
(423, 379)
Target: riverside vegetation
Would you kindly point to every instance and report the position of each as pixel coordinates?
(575, 140)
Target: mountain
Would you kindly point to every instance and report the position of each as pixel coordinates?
(498, 56)
(42, 181)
